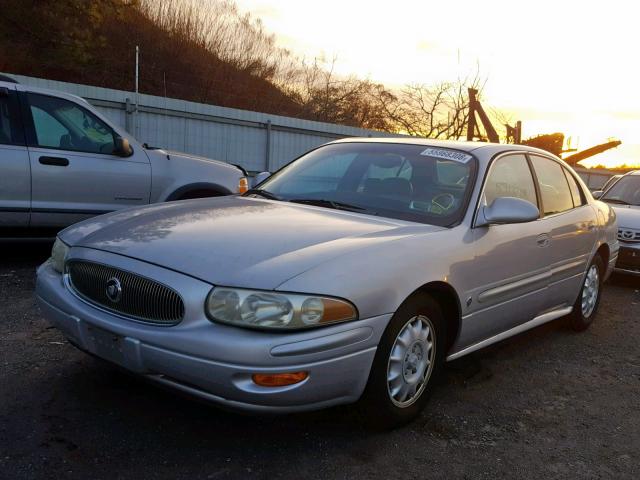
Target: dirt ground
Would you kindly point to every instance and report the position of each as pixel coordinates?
(549, 403)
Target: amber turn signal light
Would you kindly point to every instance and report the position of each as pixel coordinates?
(278, 379)
(243, 185)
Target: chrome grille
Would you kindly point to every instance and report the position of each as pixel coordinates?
(628, 235)
(139, 298)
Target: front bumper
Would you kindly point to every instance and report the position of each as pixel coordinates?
(211, 361)
(628, 261)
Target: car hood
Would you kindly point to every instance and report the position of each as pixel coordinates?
(159, 152)
(628, 216)
(237, 241)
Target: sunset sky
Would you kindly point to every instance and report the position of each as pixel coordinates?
(569, 66)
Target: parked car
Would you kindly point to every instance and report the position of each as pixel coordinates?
(351, 274)
(610, 182)
(61, 161)
(624, 197)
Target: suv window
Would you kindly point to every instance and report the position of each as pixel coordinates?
(554, 189)
(10, 131)
(576, 191)
(62, 124)
(510, 176)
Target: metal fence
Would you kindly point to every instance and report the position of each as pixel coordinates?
(257, 141)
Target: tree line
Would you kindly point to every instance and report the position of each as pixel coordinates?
(211, 52)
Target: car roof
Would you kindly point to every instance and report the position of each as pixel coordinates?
(486, 148)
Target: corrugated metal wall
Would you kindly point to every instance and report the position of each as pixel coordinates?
(257, 141)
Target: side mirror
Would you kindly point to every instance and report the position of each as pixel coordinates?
(505, 210)
(597, 194)
(122, 147)
(261, 177)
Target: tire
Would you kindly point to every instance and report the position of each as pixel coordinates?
(586, 307)
(388, 400)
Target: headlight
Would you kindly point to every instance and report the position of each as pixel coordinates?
(274, 310)
(58, 254)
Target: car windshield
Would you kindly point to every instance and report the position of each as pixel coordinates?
(625, 191)
(409, 182)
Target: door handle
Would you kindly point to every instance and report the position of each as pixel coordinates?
(57, 161)
(543, 240)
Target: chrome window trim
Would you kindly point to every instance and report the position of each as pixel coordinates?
(488, 173)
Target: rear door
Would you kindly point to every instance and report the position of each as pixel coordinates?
(15, 175)
(571, 223)
(75, 173)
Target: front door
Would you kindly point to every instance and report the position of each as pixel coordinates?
(15, 175)
(511, 261)
(75, 174)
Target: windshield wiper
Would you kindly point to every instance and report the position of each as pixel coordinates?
(616, 200)
(320, 202)
(262, 193)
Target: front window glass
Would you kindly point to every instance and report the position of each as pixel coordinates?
(556, 196)
(62, 124)
(510, 177)
(409, 182)
(625, 191)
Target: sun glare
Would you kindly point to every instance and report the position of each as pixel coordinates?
(556, 66)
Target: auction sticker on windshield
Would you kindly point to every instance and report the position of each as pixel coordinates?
(447, 154)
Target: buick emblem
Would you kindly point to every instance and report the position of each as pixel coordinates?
(114, 290)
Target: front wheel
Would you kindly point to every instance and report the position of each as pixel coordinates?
(407, 362)
(586, 306)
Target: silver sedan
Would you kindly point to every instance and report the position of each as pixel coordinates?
(353, 273)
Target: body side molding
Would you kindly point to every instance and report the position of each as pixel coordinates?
(539, 320)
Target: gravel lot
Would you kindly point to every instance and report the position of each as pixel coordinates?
(547, 404)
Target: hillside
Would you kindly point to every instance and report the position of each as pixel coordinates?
(93, 42)
(210, 52)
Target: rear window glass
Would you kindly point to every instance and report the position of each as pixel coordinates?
(554, 189)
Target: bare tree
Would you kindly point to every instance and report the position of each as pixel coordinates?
(438, 111)
(325, 96)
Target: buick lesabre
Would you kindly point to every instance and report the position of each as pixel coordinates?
(352, 274)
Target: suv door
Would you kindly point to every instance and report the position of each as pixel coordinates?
(15, 175)
(572, 225)
(511, 261)
(75, 173)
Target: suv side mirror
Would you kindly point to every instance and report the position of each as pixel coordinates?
(122, 147)
(505, 210)
(261, 177)
(597, 194)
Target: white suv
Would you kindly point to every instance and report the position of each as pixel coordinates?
(61, 161)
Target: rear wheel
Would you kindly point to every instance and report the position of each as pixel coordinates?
(407, 362)
(586, 306)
